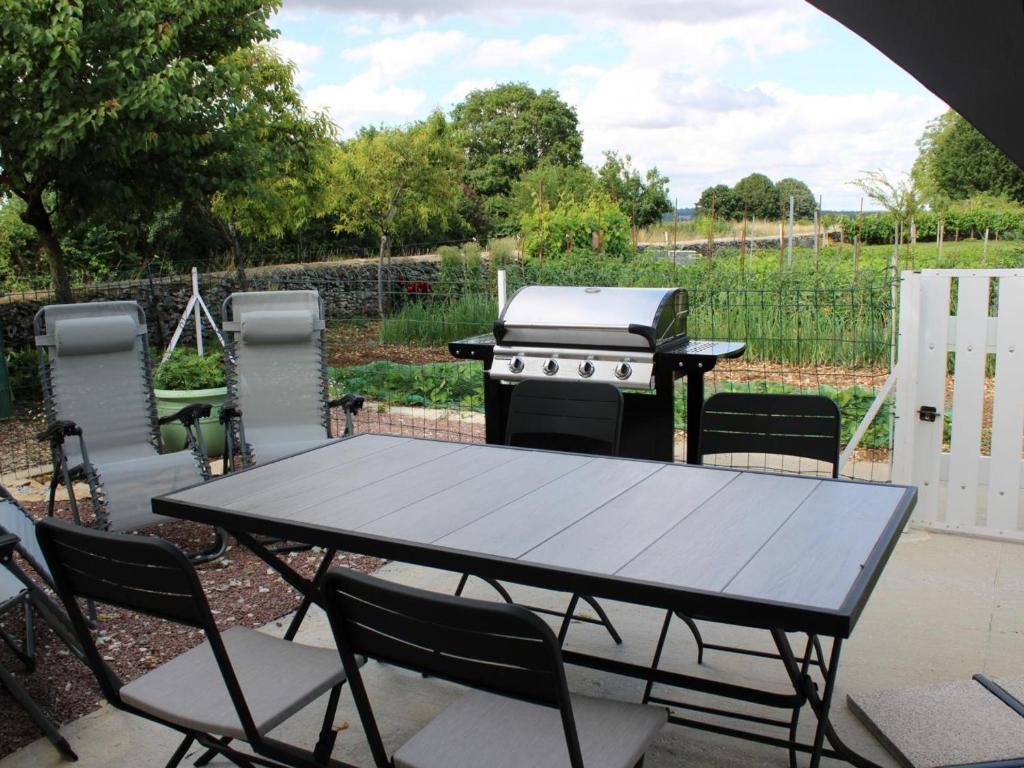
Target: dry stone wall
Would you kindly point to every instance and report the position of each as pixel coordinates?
(349, 289)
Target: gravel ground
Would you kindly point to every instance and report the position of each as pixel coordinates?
(241, 589)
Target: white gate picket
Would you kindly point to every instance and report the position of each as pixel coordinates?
(983, 494)
(1007, 410)
(968, 400)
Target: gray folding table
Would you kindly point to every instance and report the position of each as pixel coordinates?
(782, 553)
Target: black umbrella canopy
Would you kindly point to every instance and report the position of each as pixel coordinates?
(969, 53)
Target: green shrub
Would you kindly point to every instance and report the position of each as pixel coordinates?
(460, 271)
(185, 369)
(597, 226)
(437, 385)
(23, 373)
(502, 251)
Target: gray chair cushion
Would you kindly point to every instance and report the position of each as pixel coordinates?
(482, 729)
(277, 326)
(278, 678)
(95, 335)
(10, 585)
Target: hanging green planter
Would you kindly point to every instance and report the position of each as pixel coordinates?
(188, 378)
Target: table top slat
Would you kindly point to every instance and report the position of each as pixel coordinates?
(611, 536)
(345, 475)
(715, 541)
(433, 479)
(266, 478)
(545, 512)
(815, 557)
(436, 517)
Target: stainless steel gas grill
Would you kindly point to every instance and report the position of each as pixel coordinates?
(634, 338)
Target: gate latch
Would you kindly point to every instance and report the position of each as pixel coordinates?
(927, 413)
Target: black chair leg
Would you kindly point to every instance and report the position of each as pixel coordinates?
(8, 681)
(180, 752)
(325, 744)
(564, 629)
(604, 618)
(208, 755)
(214, 551)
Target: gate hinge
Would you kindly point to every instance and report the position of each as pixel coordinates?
(927, 413)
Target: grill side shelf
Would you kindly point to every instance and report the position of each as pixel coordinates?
(474, 348)
(677, 354)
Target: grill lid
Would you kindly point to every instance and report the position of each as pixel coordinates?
(630, 318)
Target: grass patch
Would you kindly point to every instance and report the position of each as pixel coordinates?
(431, 323)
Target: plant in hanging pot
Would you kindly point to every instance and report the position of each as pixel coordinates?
(188, 378)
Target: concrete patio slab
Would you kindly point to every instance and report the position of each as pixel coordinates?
(932, 619)
(948, 724)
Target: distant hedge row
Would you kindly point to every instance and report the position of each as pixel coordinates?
(877, 228)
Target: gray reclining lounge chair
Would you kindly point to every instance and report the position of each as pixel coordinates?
(18, 590)
(101, 415)
(278, 398)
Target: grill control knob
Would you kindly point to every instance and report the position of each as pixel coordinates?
(516, 364)
(586, 369)
(623, 370)
(550, 367)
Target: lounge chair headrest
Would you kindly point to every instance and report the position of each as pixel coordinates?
(96, 335)
(277, 326)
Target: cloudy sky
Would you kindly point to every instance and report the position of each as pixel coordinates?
(706, 90)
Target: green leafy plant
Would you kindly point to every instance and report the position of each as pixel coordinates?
(185, 369)
(437, 385)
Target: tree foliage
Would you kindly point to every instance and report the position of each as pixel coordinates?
(596, 226)
(758, 195)
(956, 161)
(111, 104)
(642, 198)
(510, 129)
(390, 181)
(548, 180)
(721, 200)
(804, 204)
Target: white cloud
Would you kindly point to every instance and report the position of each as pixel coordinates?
(395, 57)
(365, 99)
(462, 89)
(510, 52)
(302, 55)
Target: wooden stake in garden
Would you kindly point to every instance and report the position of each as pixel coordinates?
(675, 232)
(711, 230)
(782, 237)
(743, 233)
(789, 245)
(856, 238)
(984, 248)
(938, 235)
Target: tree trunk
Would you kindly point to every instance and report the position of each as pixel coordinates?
(236, 257)
(49, 246)
(380, 273)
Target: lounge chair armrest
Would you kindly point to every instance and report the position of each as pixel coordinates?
(58, 430)
(8, 543)
(229, 413)
(350, 403)
(189, 415)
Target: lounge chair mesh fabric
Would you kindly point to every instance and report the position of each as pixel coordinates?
(277, 376)
(96, 374)
(13, 519)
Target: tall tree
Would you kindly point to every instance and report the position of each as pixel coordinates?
(642, 198)
(269, 174)
(758, 194)
(389, 181)
(723, 199)
(804, 203)
(510, 129)
(110, 105)
(955, 161)
(552, 182)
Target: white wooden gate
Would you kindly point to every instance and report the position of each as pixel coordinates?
(960, 488)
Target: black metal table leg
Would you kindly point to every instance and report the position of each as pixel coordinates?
(820, 704)
(694, 406)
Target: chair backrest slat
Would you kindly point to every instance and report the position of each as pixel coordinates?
(806, 426)
(575, 416)
(493, 646)
(140, 573)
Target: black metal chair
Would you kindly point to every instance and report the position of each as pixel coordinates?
(579, 417)
(806, 426)
(519, 711)
(239, 684)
